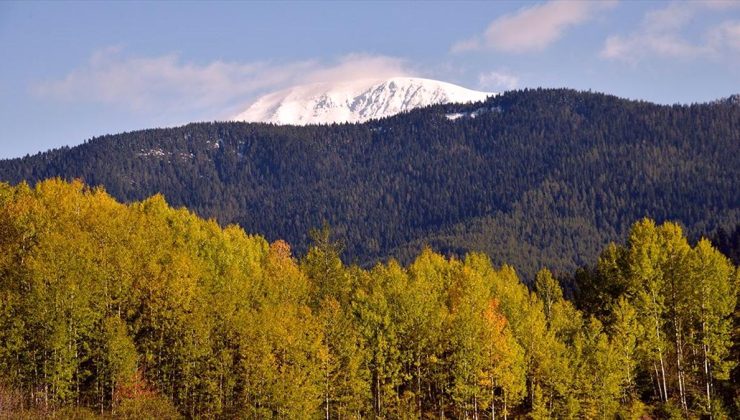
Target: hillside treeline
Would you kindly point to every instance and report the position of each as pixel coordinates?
(537, 178)
(143, 310)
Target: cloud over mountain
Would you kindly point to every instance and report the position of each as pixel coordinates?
(167, 82)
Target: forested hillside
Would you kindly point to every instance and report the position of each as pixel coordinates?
(533, 178)
(144, 311)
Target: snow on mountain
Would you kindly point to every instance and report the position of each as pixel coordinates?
(354, 101)
(472, 114)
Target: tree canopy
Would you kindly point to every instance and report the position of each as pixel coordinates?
(140, 310)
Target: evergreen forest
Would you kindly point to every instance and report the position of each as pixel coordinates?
(142, 310)
(533, 178)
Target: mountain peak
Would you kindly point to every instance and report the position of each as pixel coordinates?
(354, 101)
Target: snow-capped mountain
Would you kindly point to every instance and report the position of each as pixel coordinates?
(354, 101)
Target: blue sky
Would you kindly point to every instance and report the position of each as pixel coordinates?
(71, 71)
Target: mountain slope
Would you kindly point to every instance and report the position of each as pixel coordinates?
(356, 101)
(538, 177)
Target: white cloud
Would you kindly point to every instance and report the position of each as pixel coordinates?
(169, 85)
(533, 28)
(725, 35)
(498, 80)
(672, 17)
(720, 4)
(359, 66)
(636, 47)
(660, 34)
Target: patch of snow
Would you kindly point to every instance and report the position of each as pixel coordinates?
(152, 153)
(355, 101)
(476, 113)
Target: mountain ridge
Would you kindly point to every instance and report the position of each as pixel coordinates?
(546, 180)
(354, 101)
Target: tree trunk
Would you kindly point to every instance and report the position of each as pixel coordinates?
(656, 382)
(679, 366)
(707, 369)
(707, 374)
(662, 371)
(493, 401)
(678, 344)
(377, 393)
(418, 378)
(327, 391)
(475, 407)
(505, 409)
(660, 348)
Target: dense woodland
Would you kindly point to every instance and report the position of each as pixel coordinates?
(141, 310)
(531, 178)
